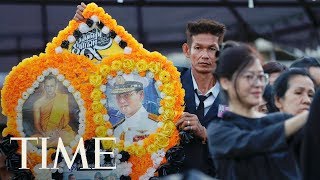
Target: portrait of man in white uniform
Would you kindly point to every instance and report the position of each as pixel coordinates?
(137, 123)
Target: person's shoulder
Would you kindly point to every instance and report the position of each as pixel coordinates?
(118, 123)
(182, 70)
(153, 117)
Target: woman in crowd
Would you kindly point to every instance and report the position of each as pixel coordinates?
(293, 91)
(244, 143)
(274, 69)
(267, 105)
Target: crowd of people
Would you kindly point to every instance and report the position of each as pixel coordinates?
(250, 120)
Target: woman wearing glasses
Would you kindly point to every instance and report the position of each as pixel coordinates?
(244, 143)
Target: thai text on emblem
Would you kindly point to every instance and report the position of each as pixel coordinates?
(89, 43)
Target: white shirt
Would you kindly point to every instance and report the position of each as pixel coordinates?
(210, 100)
(137, 124)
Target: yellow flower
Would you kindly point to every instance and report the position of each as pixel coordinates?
(168, 102)
(168, 114)
(96, 94)
(101, 131)
(107, 144)
(141, 65)
(164, 76)
(98, 119)
(168, 128)
(96, 80)
(128, 65)
(154, 67)
(152, 148)
(116, 65)
(104, 70)
(97, 106)
(162, 140)
(169, 88)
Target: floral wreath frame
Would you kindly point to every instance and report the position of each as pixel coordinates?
(89, 79)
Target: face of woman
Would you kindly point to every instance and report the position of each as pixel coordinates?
(298, 96)
(249, 85)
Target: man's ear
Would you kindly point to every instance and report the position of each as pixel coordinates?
(278, 102)
(225, 83)
(186, 50)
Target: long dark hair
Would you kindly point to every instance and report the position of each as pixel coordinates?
(233, 61)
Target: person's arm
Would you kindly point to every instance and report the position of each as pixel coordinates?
(295, 123)
(226, 140)
(78, 16)
(36, 117)
(190, 122)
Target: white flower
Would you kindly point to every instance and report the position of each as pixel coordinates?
(45, 72)
(103, 88)
(158, 83)
(127, 50)
(110, 132)
(71, 39)
(105, 30)
(40, 78)
(21, 101)
(103, 101)
(80, 102)
(60, 170)
(106, 117)
(55, 71)
(66, 83)
(60, 77)
(94, 18)
(30, 90)
(71, 89)
(19, 108)
(140, 142)
(110, 77)
(119, 73)
(160, 124)
(160, 110)
(58, 50)
(117, 39)
(77, 95)
(35, 84)
(84, 28)
(162, 95)
(150, 74)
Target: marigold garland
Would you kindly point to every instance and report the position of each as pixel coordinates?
(76, 70)
(90, 79)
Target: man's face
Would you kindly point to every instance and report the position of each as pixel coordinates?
(50, 87)
(130, 102)
(202, 53)
(73, 177)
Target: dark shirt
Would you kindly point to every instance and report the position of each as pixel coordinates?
(252, 148)
(311, 142)
(196, 153)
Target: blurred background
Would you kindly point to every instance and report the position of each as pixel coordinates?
(283, 30)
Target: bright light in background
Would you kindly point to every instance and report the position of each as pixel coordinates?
(120, 1)
(250, 4)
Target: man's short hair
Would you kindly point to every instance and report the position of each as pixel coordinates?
(274, 67)
(205, 26)
(50, 77)
(305, 62)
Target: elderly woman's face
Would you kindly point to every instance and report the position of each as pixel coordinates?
(298, 96)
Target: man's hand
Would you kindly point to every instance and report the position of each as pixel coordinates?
(78, 16)
(190, 122)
